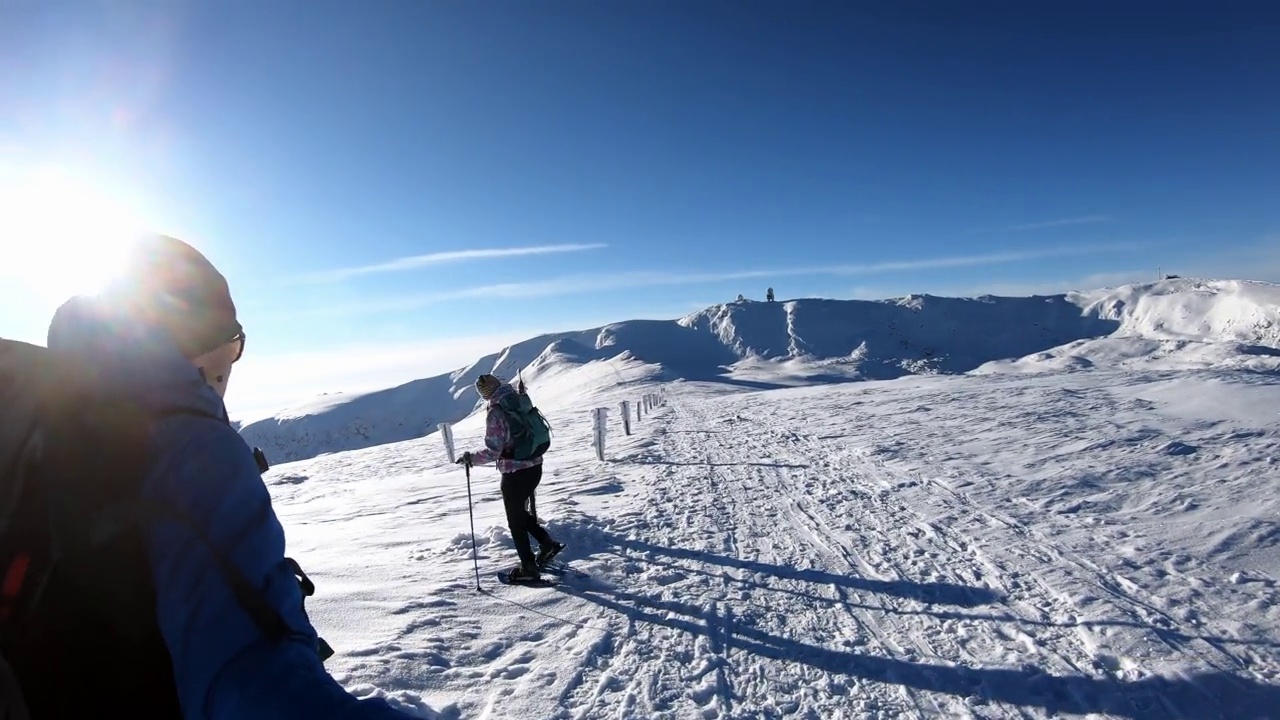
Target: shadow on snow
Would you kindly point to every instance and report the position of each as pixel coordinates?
(928, 592)
(1206, 694)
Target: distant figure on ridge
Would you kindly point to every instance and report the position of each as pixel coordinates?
(769, 295)
(516, 436)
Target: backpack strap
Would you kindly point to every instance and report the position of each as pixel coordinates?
(309, 589)
(129, 513)
(517, 426)
(264, 615)
(134, 513)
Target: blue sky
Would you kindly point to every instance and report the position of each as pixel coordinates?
(392, 188)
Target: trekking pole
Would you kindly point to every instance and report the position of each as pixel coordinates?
(472, 515)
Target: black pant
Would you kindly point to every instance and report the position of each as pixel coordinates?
(517, 488)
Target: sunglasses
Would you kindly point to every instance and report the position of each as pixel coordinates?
(238, 338)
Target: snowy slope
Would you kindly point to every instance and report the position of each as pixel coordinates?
(1102, 545)
(1235, 311)
(802, 342)
(348, 421)
(917, 334)
(1185, 323)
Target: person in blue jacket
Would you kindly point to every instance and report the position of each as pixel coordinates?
(167, 333)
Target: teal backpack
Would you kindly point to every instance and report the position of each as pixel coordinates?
(530, 431)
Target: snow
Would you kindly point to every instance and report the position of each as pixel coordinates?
(350, 421)
(1086, 529)
(1182, 323)
(1198, 323)
(1237, 311)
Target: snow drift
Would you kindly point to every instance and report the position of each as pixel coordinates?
(1184, 322)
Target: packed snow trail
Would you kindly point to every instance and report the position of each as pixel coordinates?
(776, 573)
(841, 552)
(787, 584)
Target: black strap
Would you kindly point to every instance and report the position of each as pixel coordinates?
(249, 597)
(261, 459)
(131, 514)
(308, 587)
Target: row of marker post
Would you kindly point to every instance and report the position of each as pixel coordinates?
(600, 426)
(647, 404)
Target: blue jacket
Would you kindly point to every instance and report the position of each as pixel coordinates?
(223, 665)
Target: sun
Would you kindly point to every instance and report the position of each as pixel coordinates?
(61, 236)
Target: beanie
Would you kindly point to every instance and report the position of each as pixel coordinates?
(487, 385)
(168, 283)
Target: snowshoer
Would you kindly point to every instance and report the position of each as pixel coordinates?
(769, 295)
(516, 436)
(143, 564)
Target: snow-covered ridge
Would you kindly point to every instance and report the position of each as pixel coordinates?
(1176, 324)
(1236, 311)
(1198, 322)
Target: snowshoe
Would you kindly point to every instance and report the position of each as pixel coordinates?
(546, 554)
(523, 576)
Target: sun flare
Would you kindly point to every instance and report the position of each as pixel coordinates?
(61, 236)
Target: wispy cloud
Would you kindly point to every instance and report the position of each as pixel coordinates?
(1055, 287)
(1046, 224)
(1060, 222)
(414, 262)
(579, 284)
(1095, 281)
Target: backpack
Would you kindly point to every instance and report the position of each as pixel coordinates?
(530, 431)
(78, 628)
